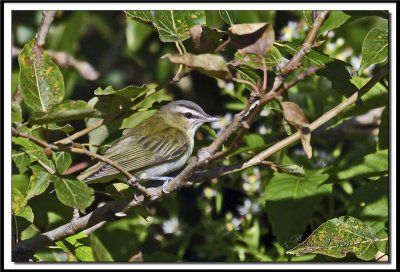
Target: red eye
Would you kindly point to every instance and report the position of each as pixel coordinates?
(188, 115)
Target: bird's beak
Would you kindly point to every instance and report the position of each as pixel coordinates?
(211, 119)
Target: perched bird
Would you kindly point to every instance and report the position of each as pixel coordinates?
(160, 145)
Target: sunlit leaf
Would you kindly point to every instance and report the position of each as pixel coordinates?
(73, 192)
(41, 82)
(339, 236)
(66, 111)
(375, 48)
(38, 182)
(136, 118)
(372, 165)
(62, 161)
(271, 59)
(172, 25)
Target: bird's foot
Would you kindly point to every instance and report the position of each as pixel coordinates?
(165, 184)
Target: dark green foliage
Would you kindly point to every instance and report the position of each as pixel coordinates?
(279, 211)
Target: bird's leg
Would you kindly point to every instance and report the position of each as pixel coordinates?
(166, 181)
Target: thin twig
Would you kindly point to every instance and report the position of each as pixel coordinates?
(47, 19)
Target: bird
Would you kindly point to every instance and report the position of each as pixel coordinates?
(156, 147)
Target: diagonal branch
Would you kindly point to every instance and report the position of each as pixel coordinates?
(47, 19)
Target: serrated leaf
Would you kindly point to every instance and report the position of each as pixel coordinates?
(172, 25)
(208, 64)
(73, 193)
(66, 111)
(375, 48)
(38, 182)
(272, 58)
(136, 118)
(291, 201)
(254, 38)
(372, 165)
(339, 236)
(383, 136)
(227, 16)
(41, 82)
(62, 161)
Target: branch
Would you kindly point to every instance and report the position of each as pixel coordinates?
(259, 158)
(109, 210)
(47, 19)
(81, 151)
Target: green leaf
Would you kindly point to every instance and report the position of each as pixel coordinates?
(108, 105)
(227, 16)
(207, 39)
(291, 201)
(100, 253)
(335, 19)
(130, 91)
(376, 97)
(79, 245)
(339, 236)
(136, 118)
(18, 201)
(375, 48)
(35, 152)
(38, 182)
(53, 126)
(62, 161)
(136, 34)
(208, 64)
(272, 58)
(335, 70)
(73, 193)
(308, 17)
(41, 82)
(369, 202)
(383, 136)
(66, 111)
(172, 26)
(372, 165)
(21, 160)
(253, 140)
(292, 169)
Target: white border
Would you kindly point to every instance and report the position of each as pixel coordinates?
(9, 7)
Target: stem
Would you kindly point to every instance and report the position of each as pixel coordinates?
(47, 19)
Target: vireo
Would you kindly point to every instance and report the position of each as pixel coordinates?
(160, 145)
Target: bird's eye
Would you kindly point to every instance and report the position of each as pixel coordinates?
(188, 115)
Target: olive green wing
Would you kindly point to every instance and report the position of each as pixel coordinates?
(134, 152)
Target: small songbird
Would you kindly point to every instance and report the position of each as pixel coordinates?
(158, 146)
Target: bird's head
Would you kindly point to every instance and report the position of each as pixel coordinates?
(186, 115)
